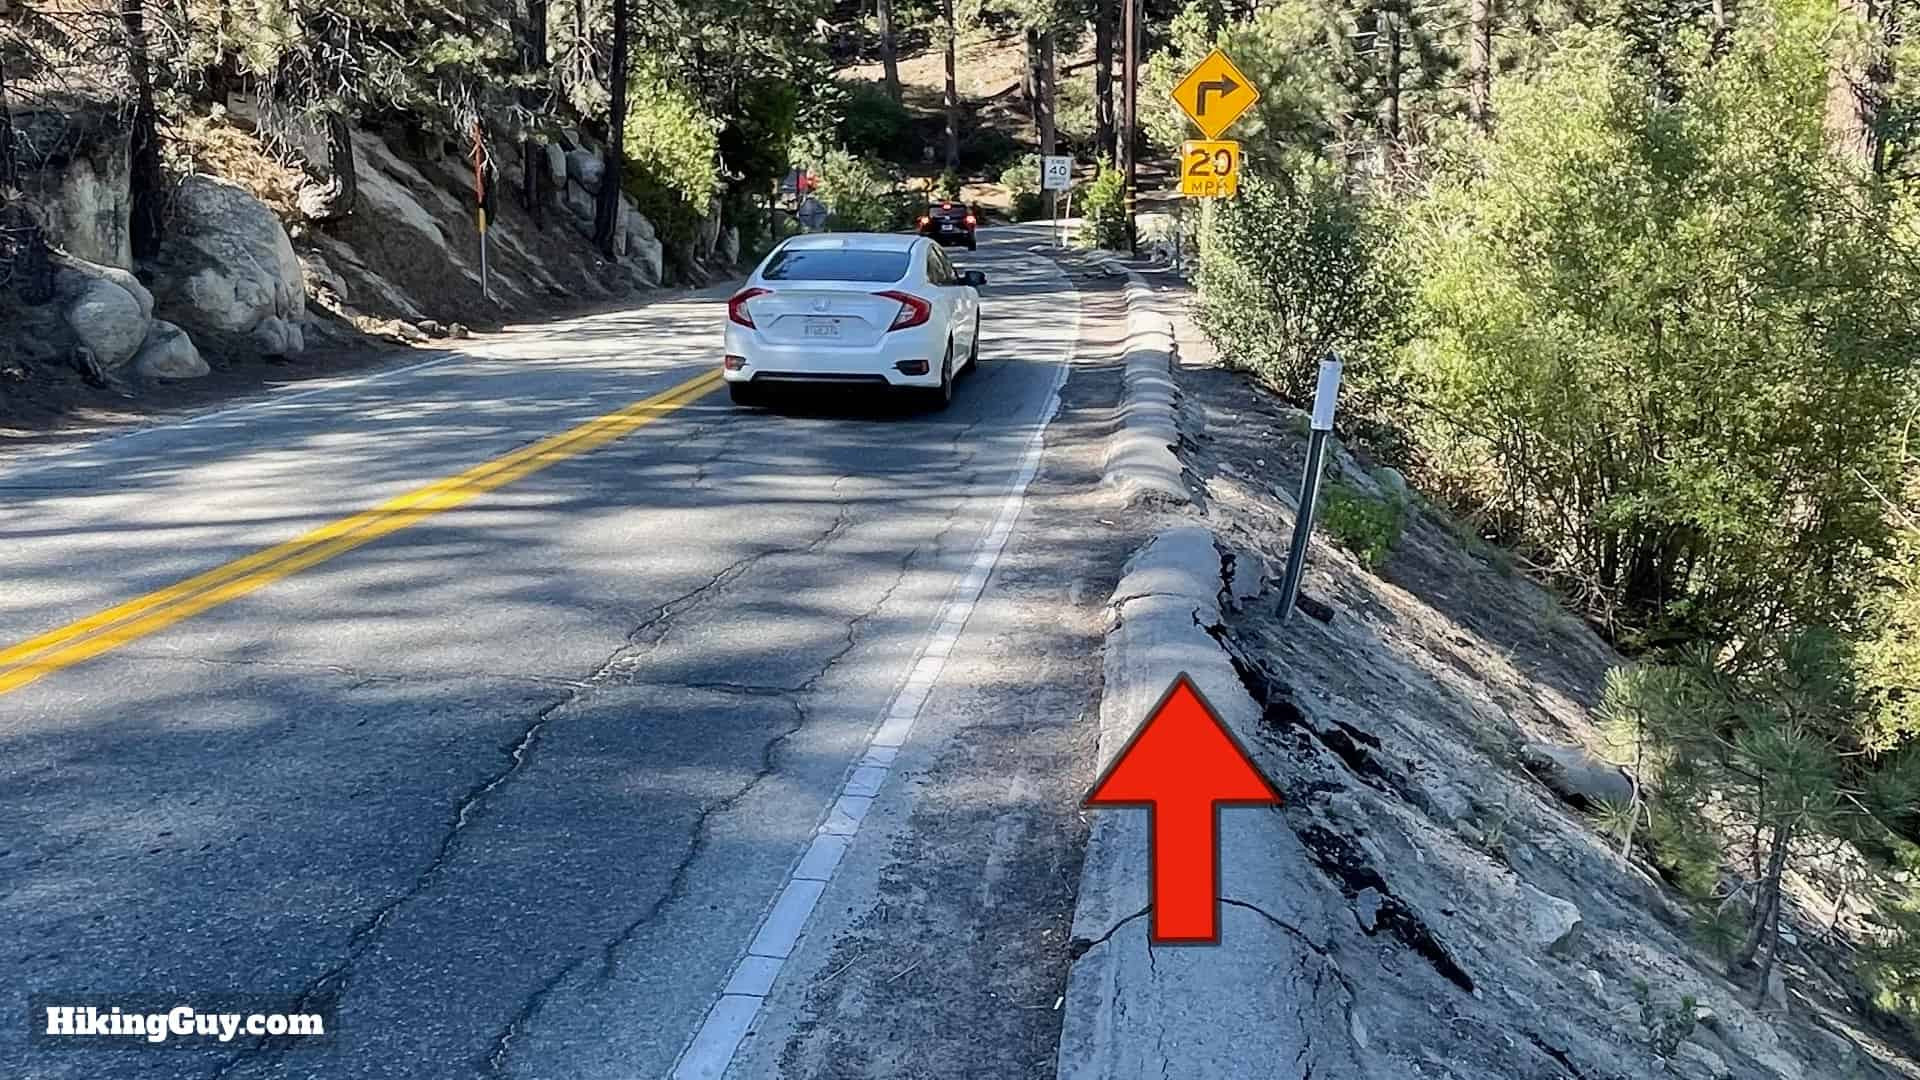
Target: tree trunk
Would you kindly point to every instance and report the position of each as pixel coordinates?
(533, 183)
(1857, 83)
(1044, 85)
(536, 56)
(1103, 118)
(889, 63)
(1766, 904)
(146, 185)
(335, 200)
(1030, 76)
(533, 61)
(1048, 136)
(6, 133)
(951, 99)
(606, 211)
(1129, 139)
(1480, 64)
(1388, 40)
(1772, 938)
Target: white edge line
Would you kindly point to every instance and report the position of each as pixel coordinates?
(710, 1051)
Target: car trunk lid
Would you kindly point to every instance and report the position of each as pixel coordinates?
(824, 314)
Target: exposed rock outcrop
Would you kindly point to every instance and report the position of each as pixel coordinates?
(1577, 776)
(585, 168)
(168, 354)
(228, 272)
(105, 319)
(78, 181)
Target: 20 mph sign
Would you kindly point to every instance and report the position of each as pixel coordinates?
(1210, 169)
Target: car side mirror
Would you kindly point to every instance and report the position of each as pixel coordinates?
(974, 278)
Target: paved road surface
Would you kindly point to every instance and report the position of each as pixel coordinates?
(513, 769)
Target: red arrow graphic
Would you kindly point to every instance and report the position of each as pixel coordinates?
(1183, 764)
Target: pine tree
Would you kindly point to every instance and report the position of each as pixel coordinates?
(1776, 744)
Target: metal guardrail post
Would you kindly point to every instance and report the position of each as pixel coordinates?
(1323, 399)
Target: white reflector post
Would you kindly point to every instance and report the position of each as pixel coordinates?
(1324, 394)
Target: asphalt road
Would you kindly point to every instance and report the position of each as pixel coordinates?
(512, 777)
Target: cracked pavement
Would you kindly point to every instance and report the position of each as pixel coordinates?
(513, 786)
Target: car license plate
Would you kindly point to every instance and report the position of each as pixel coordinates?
(948, 226)
(823, 327)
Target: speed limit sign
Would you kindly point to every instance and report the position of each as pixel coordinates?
(1209, 168)
(1056, 173)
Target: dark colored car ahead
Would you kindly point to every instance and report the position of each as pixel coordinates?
(950, 223)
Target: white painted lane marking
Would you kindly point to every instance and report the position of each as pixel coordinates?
(712, 1048)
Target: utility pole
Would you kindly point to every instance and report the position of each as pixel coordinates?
(1129, 101)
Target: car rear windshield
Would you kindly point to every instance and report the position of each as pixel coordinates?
(836, 264)
(955, 211)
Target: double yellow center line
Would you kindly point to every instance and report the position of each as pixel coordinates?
(143, 615)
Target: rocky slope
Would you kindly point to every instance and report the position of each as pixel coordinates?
(246, 277)
(1430, 735)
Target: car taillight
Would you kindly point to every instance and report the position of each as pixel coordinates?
(971, 221)
(923, 221)
(737, 307)
(913, 310)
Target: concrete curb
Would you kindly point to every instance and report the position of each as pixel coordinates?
(1140, 458)
(1269, 993)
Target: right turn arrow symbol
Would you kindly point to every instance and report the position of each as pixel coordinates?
(1224, 86)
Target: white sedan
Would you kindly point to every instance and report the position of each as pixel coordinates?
(854, 309)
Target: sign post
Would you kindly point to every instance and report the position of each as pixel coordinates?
(1323, 398)
(1056, 175)
(482, 201)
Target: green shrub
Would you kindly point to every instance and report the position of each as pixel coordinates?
(1103, 207)
(856, 192)
(1295, 268)
(672, 158)
(949, 185)
(1022, 180)
(1642, 316)
(874, 125)
(1022, 175)
(1362, 524)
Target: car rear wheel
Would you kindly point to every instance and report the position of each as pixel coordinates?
(745, 394)
(973, 242)
(941, 396)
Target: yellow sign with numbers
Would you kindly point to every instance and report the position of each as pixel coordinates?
(1210, 169)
